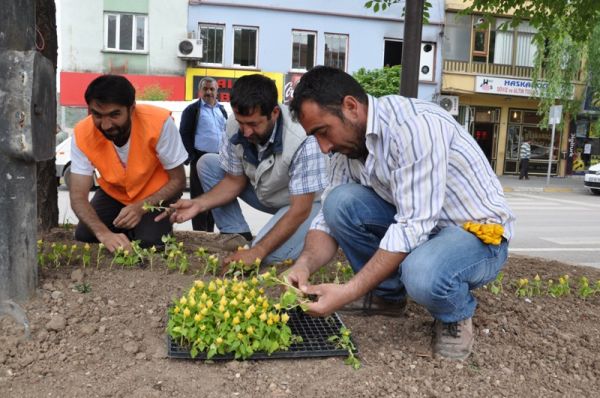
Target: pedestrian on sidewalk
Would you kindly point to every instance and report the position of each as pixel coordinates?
(525, 154)
(587, 153)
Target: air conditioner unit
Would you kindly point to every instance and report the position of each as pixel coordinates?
(190, 49)
(449, 103)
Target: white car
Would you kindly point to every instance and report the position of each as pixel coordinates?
(63, 149)
(592, 179)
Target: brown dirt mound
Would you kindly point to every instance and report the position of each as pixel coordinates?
(110, 342)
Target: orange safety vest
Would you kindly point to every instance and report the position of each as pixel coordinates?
(144, 174)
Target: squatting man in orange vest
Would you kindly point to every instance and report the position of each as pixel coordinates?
(267, 160)
(404, 178)
(139, 153)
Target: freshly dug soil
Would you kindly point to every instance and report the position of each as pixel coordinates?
(110, 342)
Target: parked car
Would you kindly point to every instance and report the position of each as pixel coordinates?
(592, 179)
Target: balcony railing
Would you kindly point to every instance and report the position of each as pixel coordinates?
(480, 68)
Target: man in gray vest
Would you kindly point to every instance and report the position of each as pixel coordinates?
(267, 160)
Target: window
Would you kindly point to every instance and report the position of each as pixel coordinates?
(212, 43)
(244, 46)
(303, 50)
(392, 53)
(126, 32)
(336, 48)
(490, 44)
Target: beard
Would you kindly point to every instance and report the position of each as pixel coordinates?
(356, 147)
(118, 134)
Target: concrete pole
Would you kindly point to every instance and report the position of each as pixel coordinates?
(28, 89)
(411, 48)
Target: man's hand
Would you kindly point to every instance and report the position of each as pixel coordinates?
(298, 275)
(246, 256)
(129, 216)
(112, 241)
(330, 297)
(180, 211)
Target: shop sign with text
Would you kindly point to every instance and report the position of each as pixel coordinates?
(507, 86)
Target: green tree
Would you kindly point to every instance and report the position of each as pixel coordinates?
(379, 82)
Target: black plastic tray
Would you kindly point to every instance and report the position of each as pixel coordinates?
(315, 332)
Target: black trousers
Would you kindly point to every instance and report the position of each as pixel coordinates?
(148, 231)
(203, 221)
(524, 168)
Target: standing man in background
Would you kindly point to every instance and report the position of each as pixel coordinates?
(525, 154)
(202, 127)
(587, 153)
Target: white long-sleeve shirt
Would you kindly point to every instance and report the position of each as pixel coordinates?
(425, 164)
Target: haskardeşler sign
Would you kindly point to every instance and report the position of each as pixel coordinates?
(507, 86)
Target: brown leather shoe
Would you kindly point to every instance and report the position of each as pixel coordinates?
(370, 304)
(453, 340)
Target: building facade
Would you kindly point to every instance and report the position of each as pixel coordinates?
(486, 74)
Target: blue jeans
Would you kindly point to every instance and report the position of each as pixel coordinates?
(439, 274)
(229, 218)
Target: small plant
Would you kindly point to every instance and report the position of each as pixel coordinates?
(99, 255)
(536, 286)
(152, 208)
(56, 254)
(241, 269)
(149, 253)
(154, 92)
(343, 272)
(523, 288)
(496, 285)
(83, 288)
(559, 289)
(41, 257)
(584, 288)
(344, 342)
(86, 255)
(212, 265)
(128, 258)
(70, 253)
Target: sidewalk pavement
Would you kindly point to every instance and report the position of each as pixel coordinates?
(572, 183)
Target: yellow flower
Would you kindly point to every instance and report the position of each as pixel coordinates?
(240, 336)
(236, 320)
(277, 306)
(221, 308)
(199, 284)
(211, 286)
(86, 246)
(219, 282)
(204, 311)
(209, 303)
(234, 302)
(186, 312)
(250, 330)
(263, 317)
(197, 317)
(218, 341)
(254, 280)
(202, 327)
(221, 291)
(204, 296)
(248, 315)
(192, 301)
(176, 310)
(192, 291)
(183, 300)
(285, 317)
(226, 315)
(270, 322)
(252, 308)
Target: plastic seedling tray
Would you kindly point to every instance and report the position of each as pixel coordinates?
(315, 332)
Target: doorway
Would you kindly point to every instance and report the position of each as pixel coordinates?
(483, 124)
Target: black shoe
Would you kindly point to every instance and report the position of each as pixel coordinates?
(371, 304)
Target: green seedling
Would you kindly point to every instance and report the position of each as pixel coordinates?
(41, 257)
(496, 286)
(70, 253)
(559, 289)
(152, 208)
(149, 253)
(99, 254)
(343, 272)
(344, 342)
(212, 265)
(128, 258)
(56, 254)
(83, 288)
(584, 288)
(86, 255)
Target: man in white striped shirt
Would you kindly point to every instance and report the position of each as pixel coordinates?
(404, 176)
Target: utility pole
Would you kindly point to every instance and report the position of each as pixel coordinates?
(411, 48)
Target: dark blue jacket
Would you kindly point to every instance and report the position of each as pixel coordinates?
(187, 126)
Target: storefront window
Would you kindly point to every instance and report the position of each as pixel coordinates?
(523, 124)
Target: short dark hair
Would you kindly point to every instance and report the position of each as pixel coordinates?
(110, 89)
(327, 87)
(254, 91)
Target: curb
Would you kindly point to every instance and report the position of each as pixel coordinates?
(538, 189)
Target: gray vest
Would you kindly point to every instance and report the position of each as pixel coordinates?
(270, 178)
